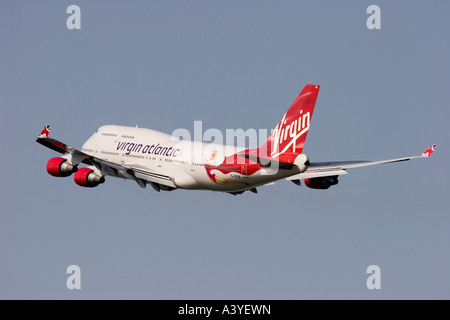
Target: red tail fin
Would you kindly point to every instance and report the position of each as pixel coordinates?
(290, 133)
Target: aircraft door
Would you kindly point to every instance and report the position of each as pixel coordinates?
(121, 152)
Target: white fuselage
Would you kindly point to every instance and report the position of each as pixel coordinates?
(185, 163)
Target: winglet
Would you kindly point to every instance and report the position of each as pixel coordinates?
(429, 151)
(45, 132)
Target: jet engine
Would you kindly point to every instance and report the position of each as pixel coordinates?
(322, 182)
(86, 177)
(60, 167)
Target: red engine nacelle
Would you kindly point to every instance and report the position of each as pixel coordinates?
(86, 177)
(322, 182)
(60, 167)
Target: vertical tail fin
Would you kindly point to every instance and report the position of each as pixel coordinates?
(290, 133)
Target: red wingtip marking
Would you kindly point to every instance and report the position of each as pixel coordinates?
(429, 151)
(46, 131)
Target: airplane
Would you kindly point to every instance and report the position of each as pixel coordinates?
(166, 162)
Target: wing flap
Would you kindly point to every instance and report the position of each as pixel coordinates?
(159, 179)
(133, 173)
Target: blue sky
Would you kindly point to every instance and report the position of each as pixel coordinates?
(231, 64)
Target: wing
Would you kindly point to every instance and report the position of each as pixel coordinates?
(63, 148)
(325, 169)
(141, 175)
